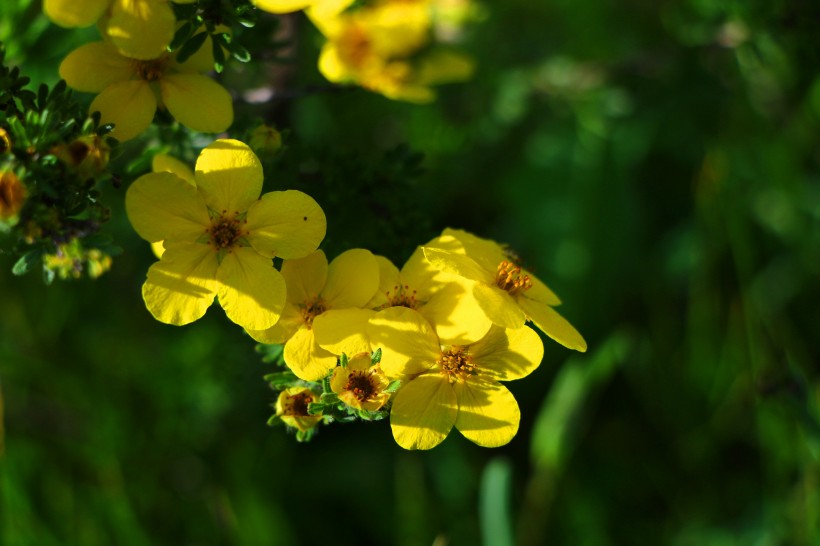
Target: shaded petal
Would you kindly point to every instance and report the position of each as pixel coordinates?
(93, 67)
(164, 163)
(444, 66)
(289, 322)
(409, 344)
(305, 358)
(343, 330)
(229, 175)
(389, 280)
(182, 285)
(251, 291)
(506, 354)
(488, 414)
(130, 105)
(499, 306)
(456, 315)
(422, 276)
(305, 277)
(554, 325)
(352, 279)
(288, 224)
(197, 102)
(141, 29)
(458, 264)
(163, 206)
(423, 412)
(71, 13)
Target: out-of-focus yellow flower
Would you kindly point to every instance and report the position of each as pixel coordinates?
(452, 385)
(361, 383)
(220, 237)
(445, 300)
(13, 195)
(5, 141)
(283, 6)
(140, 29)
(70, 260)
(292, 408)
(131, 90)
(87, 155)
(509, 294)
(380, 47)
(265, 141)
(324, 314)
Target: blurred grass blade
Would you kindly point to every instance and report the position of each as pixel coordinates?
(494, 504)
(580, 378)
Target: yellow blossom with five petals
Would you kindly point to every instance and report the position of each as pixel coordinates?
(452, 385)
(324, 315)
(360, 384)
(509, 294)
(220, 237)
(292, 408)
(130, 90)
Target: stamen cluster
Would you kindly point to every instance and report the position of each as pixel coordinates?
(225, 231)
(510, 279)
(456, 364)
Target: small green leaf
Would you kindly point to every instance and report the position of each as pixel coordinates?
(26, 262)
(191, 46)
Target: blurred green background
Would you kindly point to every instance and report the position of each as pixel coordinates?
(656, 163)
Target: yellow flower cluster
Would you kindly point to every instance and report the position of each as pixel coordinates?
(132, 72)
(387, 46)
(447, 327)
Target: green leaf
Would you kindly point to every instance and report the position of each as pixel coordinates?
(494, 504)
(191, 46)
(27, 262)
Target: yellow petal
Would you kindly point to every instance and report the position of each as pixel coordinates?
(141, 29)
(540, 292)
(282, 6)
(158, 248)
(408, 343)
(164, 163)
(423, 412)
(332, 66)
(182, 285)
(422, 276)
(197, 102)
(71, 13)
(444, 66)
(343, 330)
(554, 325)
(163, 206)
(456, 315)
(499, 306)
(289, 322)
(487, 412)
(338, 381)
(352, 279)
(288, 224)
(458, 264)
(251, 291)
(486, 252)
(305, 358)
(389, 281)
(328, 15)
(93, 67)
(130, 105)
(305, 277)
(505, 354)
(229, 175)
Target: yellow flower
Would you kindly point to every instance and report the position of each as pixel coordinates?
(292, 408)
(13, 196)
(379, 47)
(452, 385)
(140, 29)
(324, 313)
(361, 383)
(87, 155)
(445, 300)
(164, 163)
(509, 294)
(131, 90)
(282, 6)
(5, 141)
(220, 237)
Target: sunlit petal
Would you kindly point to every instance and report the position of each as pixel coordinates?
(423, 412)
(251, 291)
(305, 358)
(182, 285)
(505, 354)
(352, 279)
(343, 330)
(409, 344)
(288, 224)
(165, 163)
(71, 13)
(289, 322)
(487, 412)
(458, 264)
(230, 175)
(554, 325)
(499, 306)
(163, 206)
(141, 29)
(455, 314)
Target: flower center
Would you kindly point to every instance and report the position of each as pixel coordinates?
(401, 296)
(151, 70)
(361, 384)
(312, 309)
(456, 364)
(297, 405)
(354, 45)
(225, 231)
(509, 278)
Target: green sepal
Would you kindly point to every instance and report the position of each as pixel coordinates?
(278, 380)
(274, 420)
(343, 360)
(393, 386)
(326, 385)
(204, 238)
(376, 357)
(315, 408)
